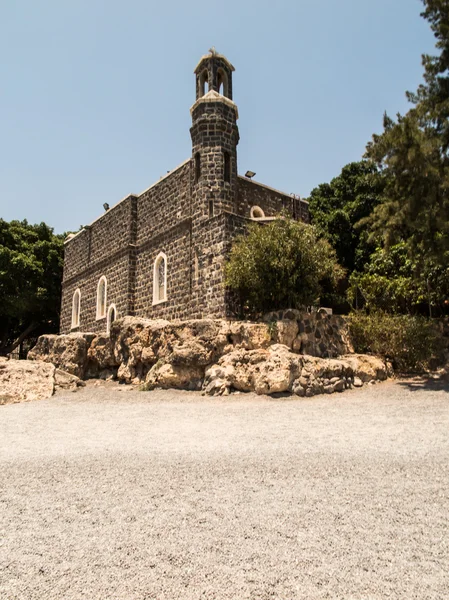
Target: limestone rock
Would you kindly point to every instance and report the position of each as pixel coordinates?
(67, 381)
(367, 367)
(169, 376)
(286, 332)
(218, 355)
(100, 357)
(264, 371)
(23, 380)
(249, 336)
(67, 352)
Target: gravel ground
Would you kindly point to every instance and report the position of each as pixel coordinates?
(110, 494)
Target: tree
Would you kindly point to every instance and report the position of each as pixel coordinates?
(392, 282)
(31, 258)
(412, 157)
(338, 207)
(281, 264)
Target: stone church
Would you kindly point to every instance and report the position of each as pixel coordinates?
(161, 254)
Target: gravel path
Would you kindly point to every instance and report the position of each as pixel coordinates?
(110, 494)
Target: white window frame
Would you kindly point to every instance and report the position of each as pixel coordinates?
(99, 314)
(253, 210)
(111, 308)
(156, 299)
(76, 322)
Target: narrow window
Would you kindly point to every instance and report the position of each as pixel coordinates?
(112, 315)
(76, 309)
(101, 297)
(197, 167)
(227, 167)
(160, 279)
(204, 85)
(196, 266)
(211, 208)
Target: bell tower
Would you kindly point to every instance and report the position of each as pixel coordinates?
(215, 136)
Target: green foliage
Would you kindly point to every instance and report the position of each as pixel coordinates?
(281, 264)
(337, 208)
(411, 343)
(31, 259)
(393, 282)
(412, 158)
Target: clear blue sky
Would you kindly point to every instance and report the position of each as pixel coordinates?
(95, 94)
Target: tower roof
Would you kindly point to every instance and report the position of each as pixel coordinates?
(213, 54)
(215, 97)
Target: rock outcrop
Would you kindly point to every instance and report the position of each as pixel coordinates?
(277, 370)
(22, 380)
(67, 352)
(295, 355)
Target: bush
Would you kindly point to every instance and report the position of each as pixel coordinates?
(281, 264)
(411, 343)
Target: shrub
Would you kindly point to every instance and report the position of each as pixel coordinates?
(411, 343)
(281, 264)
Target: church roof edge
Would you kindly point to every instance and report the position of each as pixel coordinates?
(213, 55)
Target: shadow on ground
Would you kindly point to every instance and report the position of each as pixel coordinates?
(425, 384)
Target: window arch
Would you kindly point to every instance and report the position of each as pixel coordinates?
(76, 309)
(160, 279)
(101, 297)
(222, 83)
(112, 316)
(257, 213)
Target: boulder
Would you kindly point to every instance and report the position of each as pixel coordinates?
(366, 367)
(136, 344)
(23, 380)
(264, 371)
(100, 358)
(167, 376)
(67, 352)
(67, 381)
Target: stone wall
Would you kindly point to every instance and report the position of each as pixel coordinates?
(271, 201)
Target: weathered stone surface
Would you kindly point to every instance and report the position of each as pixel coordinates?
(100, 357)
(169, 376)
(67, 381)
(217, 355)
(265, 371)
(286, 332)
(366, 367)
(67, 352)
(250, 336)
(23, 380)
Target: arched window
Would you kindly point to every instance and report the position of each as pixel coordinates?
(101, 297)
(160, 279)
(227, 166)
(204, 83)
(257, 213)
(112, 315)
(222, 82)
(76, 309)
